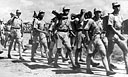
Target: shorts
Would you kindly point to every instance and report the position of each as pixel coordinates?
(37, 38)
(80, 38)
(96, 43)
(43, 38)
(7, 35)
(63, 39)
(16, 33)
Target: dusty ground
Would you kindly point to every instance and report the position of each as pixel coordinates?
(40, 68)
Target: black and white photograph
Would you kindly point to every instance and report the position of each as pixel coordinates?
(63, 38)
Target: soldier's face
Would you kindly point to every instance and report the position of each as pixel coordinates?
(41, 16)
(66, 12)
(117, 9)
(18, 14)
(72, 17)
(98, 14)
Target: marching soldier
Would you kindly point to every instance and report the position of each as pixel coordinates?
(95, 42)
(7, 29)
(114, 34)
(73, 26)
(62, 29)
(99, 21)
(16, 33)
(1, 35)
(80, 37)
(39, 36)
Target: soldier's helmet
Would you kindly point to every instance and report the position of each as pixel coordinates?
(11, 14)
(97, 10)
(41, 12)
(18, 12)
(73, 15)
(82, 11)
(66, 9)
(115, 4)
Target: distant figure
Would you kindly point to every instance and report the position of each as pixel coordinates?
(1, 36)
(16, 33)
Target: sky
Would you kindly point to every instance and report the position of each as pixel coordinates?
(28, 6)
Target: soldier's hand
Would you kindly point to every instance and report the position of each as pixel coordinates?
(88, 42)
(83, 11)
(122, 38)
(55, 32)
(21, 35)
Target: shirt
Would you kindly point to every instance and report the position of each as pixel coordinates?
(64, 25)
(91, 25)
(17, 23)
(99, 23)
(39, 24)
(74, 25)
(115, 21)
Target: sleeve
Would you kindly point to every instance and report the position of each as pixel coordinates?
(51, 26)
(21, 26)
(110, 19)
(35, 23)
(87, 25)
(70, 26)
(122, 19)
(9, 22)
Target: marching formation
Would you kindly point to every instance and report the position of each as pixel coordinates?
(69, 33)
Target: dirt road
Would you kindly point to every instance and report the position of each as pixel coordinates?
(40, 68)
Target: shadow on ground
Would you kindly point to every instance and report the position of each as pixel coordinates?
(76, 71)
(37, 66)
(20, 61)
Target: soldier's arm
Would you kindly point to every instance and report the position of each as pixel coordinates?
(70, 28)
(82, 17)
(51, 26)
(86, 29)
(123, 25)
(22, 31)
(35, 25)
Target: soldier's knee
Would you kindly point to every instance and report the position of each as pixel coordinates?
(69, 49)
(90, 55)
(59, 50)
(79, 50)
(103, 51)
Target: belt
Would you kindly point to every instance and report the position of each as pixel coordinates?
(79, 30)
(62, 30)
(15, 28)
(103, 32)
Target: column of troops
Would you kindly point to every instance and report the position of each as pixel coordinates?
(96, 34)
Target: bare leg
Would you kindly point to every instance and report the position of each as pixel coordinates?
(14, 45)
(34, 48)
(19, 41)
(109, 52)
(78, 50)
(10, 47)
(123, 45)
(56, 57)
(42, 50)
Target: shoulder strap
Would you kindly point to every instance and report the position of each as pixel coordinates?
(85, 23)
